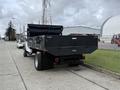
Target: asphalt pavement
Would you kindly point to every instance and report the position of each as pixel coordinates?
(18, 73)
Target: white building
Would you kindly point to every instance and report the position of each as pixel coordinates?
(80, 30)
(111, 27)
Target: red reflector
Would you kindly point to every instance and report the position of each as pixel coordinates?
(56, 60)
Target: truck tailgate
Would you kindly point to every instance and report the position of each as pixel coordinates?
(70, 45)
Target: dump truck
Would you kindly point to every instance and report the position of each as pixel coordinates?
(52, 48)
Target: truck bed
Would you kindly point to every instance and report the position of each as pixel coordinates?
(64, 45)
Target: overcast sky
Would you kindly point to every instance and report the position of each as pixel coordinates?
(66, 12)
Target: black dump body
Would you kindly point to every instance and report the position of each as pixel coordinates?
(49, 38)
(37, 30)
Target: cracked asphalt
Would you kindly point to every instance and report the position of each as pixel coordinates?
(18, 73)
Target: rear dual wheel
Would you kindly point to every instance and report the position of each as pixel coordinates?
(74, 63)
(77, 61)
(43, 61)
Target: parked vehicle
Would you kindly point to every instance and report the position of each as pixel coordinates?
(51, 47)
(116, 39)
(20, 43)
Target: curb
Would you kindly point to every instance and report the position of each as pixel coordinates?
(111, 73)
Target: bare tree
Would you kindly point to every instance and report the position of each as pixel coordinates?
(10, 32)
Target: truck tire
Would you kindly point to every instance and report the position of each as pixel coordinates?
(42, 61)
(74, 63)
(38, 61)
(77, 61)
(25, 54)
(81, 62)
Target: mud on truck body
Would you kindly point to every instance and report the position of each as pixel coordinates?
(51, 47)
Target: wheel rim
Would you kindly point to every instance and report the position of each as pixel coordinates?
(36, 61)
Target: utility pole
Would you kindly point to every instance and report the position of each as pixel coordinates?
(38, 21)
(20, 29)
(24, 30)
(45, 17)
(44, 10)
